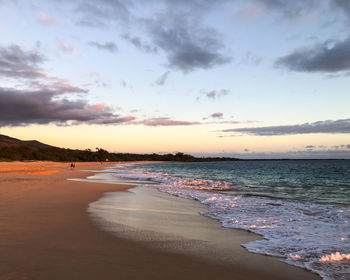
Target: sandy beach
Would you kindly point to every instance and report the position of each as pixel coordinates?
(46, 233)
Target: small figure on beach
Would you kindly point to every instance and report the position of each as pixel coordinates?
(71, 166)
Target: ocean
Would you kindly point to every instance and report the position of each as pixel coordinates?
(301, 208)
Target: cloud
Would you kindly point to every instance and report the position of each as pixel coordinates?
(310, 147)
(57, 85)
(108, 46)
(162, 79)
(20, 107)
(139, 44)
(66, 48)
(175, 27)
(103, 13)
(250, 59)
(167, 122)
(18, 63)
(217, 115)
(215, 94)
(24, 66)
(290, 8)
(337, 126)
(187, 46)
(44, 99)
(325, 57)
(224, 122)
(343, 146)
(118, 11)
(343, 5)
(46, 19)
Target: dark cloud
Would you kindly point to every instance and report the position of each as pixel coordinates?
(290, 8)
(19, 108)
(187, 45)
(337, 126)
(44, 99)
(139, 44)
(167, 122)
(162, 79)
(108, 46)
(18, 63)
(326, 57)
(24, 66)
(344, 6)
(176, 28)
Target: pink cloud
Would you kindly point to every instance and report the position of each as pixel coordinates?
(56, 84)
(217, 115)
(167, 122)
(46, 19)
(99, 107)
(113, 120)
(66, 48)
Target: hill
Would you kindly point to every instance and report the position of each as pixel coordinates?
(6, 141)
(15, 149)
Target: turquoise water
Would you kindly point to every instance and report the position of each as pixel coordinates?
(319, 181)
(300, 207)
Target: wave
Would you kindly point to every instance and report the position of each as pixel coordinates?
(304, 234)
(337, 257)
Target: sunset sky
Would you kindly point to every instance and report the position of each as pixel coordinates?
(253, 78)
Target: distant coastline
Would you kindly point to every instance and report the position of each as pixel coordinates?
(12, 149)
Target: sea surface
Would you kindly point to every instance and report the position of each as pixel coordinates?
(300, 207)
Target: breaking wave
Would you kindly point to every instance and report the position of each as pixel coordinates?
(303, 234)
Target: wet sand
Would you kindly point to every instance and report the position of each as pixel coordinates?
(46, 233)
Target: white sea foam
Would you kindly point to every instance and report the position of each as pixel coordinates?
(301, 234)
(337, 257)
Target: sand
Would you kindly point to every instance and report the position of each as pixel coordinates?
(46, 233)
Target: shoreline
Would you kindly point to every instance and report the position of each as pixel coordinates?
(47, 233)
(173, 224)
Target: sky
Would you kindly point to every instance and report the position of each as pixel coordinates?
(242, 78)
